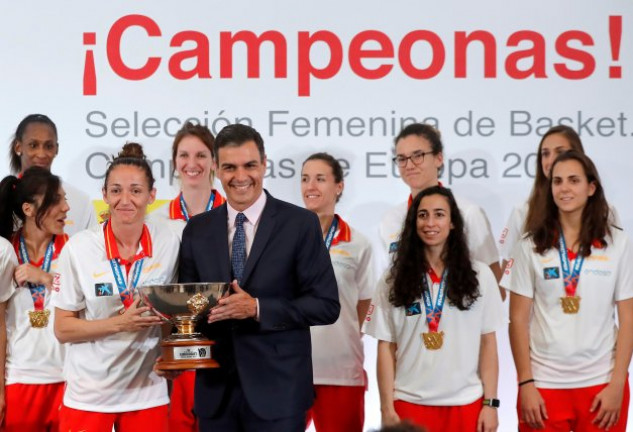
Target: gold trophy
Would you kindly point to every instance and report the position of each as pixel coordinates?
(183, 304)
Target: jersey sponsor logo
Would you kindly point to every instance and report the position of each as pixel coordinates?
(341, 252)
(103, 289)
(504, 234)
(56, 282)
(597, 272)
(509, 266)
(97, 275)
(393, 247)
(152, 267)
(551, 273)
(414, 309)
(546, 260)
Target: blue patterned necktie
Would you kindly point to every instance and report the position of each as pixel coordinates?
(238, 257)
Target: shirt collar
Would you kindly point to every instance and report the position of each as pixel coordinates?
(58, 245)
(344, 233)
(112, 251)
(253, 213)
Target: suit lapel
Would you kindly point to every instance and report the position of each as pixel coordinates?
(264, 231)
(219, 245)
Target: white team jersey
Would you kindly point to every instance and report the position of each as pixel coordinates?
(448, 376)
(34, 355)
(572, 350)
(113, 373)
(515, 228)
(8, 262)
(81, 214)
(478, 232)
(161, 216)
(337, 349)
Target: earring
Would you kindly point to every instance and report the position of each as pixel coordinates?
(19, 154)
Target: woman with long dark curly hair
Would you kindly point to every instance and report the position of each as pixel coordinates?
(437, 363)
(568, 277)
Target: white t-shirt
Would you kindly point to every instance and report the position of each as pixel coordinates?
(8, 263)
(572, 350)
(337, 349)
(514, 229)
(448, 376)
(113, 373)
(81, 214)
(34, 356)
(478, 232)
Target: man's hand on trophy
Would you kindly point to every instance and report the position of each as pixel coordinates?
(136, 317)
(237, 305)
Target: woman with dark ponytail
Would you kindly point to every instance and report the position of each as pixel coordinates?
(112, 342)
(33, 358)
(437, 365)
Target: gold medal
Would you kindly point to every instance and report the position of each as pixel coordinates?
(39, 318)
(433, 340)
(570, 304)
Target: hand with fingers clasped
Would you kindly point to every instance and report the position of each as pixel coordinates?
(135, 318)
(169, 374)
(236, 305)
(608, 404)
(28, 273)
(532, 406)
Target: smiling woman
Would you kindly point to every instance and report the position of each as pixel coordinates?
(34, 358)
(194, 161)
(112, 342)
(35, 144)
(571, 357)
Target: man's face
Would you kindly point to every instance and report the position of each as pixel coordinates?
(241, 171)
(418, 176)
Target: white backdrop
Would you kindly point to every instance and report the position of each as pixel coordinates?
(543, 61)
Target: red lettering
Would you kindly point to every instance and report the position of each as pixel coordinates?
(462, 40)
(437, 58)
(114, 47)
(253, 44)
(357, 54)
(588, 63)
(305, 67)
(537, 53)
(200, 53)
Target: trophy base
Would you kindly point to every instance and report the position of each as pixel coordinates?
(186, 353)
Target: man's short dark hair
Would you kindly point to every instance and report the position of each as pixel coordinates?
(237, 134)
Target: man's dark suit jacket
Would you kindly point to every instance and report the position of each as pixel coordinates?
(289, 270)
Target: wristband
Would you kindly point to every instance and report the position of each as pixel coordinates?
(531, 380)
(492, 403)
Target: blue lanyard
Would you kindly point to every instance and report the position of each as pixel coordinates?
(183, 206)
(38, 292)
(569, 279)
(330, 233)
(434, 313)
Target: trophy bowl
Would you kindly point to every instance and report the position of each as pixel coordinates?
(183, 304)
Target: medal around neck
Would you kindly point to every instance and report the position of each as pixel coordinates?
(570, 304)
(184, 305)
(433, 340)
(39, 318)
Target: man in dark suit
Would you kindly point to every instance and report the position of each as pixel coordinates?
(282, 283)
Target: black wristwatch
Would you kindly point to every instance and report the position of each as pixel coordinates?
(492, 403)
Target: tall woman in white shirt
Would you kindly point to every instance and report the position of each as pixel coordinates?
(435, 314)
(567, 278)
(33, 358)
(337, 349)
(112, 344)
(35, 144)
